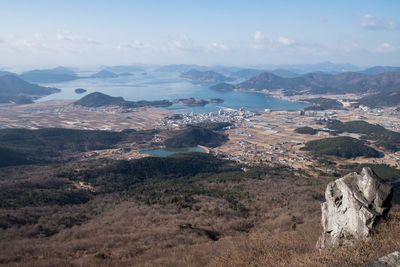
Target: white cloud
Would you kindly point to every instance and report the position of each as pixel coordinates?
(38, 35)
(178, 44)
(182, 43)
(68, 36)
(138, 44)
(373, 23)
(258, 36)
(122, 46)
(217, 47)
(134, 45)
(27, 44)
(285, 41)
(261, 43)
(385, 48)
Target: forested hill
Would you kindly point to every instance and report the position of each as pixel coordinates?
(322, 83)
(14, 89)
(97, 99)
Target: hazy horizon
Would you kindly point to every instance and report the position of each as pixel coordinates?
(19, 68)
(92, 33)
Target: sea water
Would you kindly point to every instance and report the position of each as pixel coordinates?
(169, 86)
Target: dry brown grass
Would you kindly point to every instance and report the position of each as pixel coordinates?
(297, 248)
(132, 234)
(281, 230)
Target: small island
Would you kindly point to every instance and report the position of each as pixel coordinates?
(205, 76)
(223, 87)
(123, 74)
(191, 102)
(97, 99)
(196, 102)
(104, 74)
(216, 100)
(80, 91)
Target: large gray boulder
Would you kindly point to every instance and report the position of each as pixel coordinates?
(390, 260)
(354, 205)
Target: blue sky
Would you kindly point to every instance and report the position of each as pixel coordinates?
(88, 32)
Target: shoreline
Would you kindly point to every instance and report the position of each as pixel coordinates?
(174, 102)
(297, 98)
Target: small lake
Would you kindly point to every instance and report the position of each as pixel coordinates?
(165, 152)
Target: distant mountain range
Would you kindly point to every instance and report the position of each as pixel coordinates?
(187, 67)
(285, 71)
(246, 73)
(14, 89)
(320, 83)
(326, 67)
(63, 74)
(2, 73)
(104, 74)
(205, 76)
(59, 74)
(326, 77)
(177, 68)
(121, 68)
(379, 69)
(122, 74)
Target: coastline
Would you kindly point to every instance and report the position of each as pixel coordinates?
(298, 98)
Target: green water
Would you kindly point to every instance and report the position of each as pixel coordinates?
(164, 152)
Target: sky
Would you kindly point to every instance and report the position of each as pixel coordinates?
(223, 32)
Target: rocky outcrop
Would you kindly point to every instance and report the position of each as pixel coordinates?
(354, 205)
(390, 260)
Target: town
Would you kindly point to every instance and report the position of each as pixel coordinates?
(266, 137)
(269, 136)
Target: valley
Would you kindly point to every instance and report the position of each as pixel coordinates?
(268, 136)
(80, 185)
(199, 133)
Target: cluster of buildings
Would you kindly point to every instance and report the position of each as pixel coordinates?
(223, 115)
(269, 137)
(108, 109)
(281, 153)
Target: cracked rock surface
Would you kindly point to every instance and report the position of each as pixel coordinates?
(354, 205)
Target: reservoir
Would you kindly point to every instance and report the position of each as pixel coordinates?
(164, 152)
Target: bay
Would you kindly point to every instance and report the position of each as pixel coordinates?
(169, 86)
